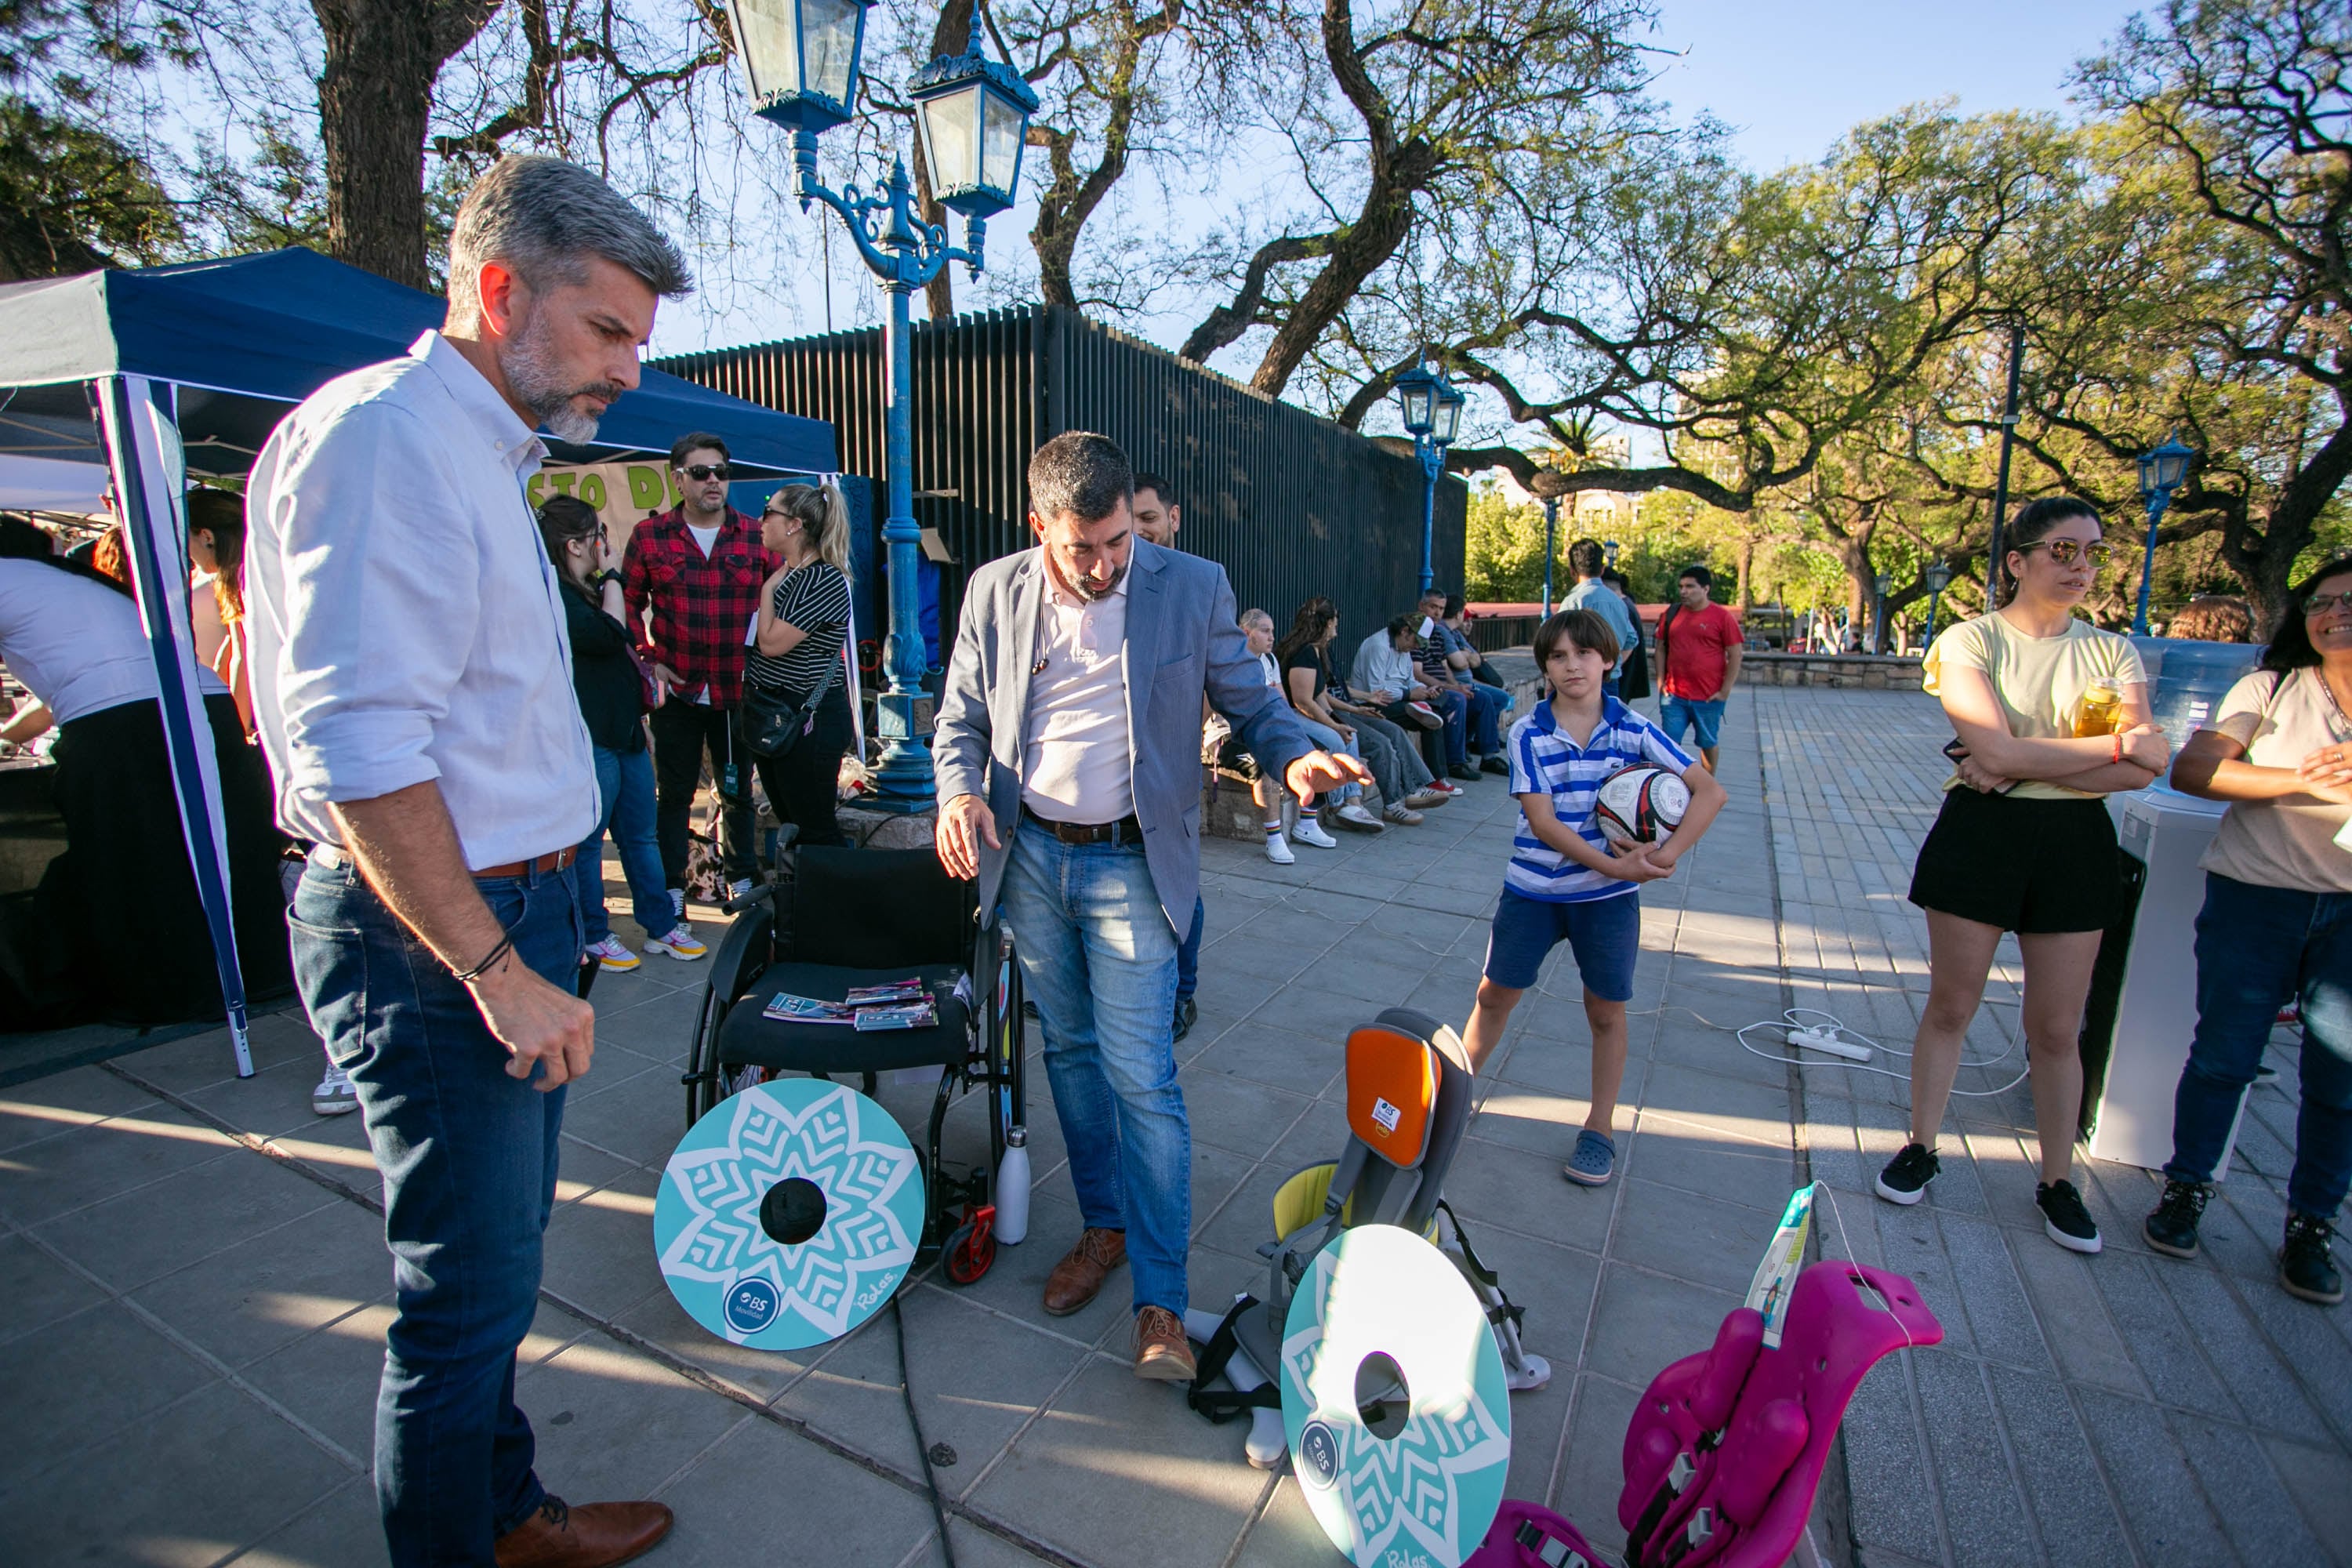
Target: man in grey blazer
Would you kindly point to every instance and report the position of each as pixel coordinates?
(1068, 755)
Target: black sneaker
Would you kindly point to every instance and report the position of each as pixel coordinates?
(1187, 1011)
(2306, 1269)
(1904, 1180)
(2066, 1219)
(2172, 1227)
(1495, 762)
(1465, 773)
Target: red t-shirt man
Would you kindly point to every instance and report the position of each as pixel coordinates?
(1699, 645)
(1694, 644)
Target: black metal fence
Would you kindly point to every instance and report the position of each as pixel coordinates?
(1290, 504)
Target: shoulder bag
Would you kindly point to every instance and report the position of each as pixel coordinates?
(772, 726)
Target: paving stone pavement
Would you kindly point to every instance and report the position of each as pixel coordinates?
(193, 1290)
(2127, 1408)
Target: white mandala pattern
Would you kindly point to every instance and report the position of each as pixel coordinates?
(714, 1252)
(1426, 1496)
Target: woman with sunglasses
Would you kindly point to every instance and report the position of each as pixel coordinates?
(803, 622)
(2276, 927)
(2024, 843)
(612, 689)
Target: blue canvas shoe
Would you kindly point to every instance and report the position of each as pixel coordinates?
(1595, 1158)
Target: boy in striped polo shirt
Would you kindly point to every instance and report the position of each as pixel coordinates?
(1565, 882)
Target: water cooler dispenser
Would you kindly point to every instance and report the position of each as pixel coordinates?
(2143, 1002)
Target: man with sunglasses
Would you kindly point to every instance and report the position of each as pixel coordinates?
(697, 567)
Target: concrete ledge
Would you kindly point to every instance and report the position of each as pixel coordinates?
(1848, 671)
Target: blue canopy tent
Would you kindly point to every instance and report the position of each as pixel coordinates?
(165, 369)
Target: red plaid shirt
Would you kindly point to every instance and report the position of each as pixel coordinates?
(702, 605)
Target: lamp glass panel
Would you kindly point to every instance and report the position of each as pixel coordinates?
(951, 138)
(1416, 401)
(1001, 144)
(2171, 468)
(829, 29)
(1448, 420)
(769, 45)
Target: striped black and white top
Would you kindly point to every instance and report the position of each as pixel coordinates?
(814, 598)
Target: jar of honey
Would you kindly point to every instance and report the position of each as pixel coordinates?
(2100, 711)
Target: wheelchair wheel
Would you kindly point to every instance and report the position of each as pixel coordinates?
(970, 1252)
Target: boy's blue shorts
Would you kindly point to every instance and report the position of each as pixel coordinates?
(1604, 935)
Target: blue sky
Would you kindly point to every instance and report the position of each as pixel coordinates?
(1794, 75)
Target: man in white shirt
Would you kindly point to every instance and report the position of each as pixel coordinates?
(412, 682)
(1069, 777)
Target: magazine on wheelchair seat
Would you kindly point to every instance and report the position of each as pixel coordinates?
(788, 1008)
(918, 1015)
(900, 1004)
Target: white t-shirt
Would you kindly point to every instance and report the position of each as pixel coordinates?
(2285, 843)
(75, 644)
(705, 539)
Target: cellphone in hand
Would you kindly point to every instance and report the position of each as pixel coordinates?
(1956, 748)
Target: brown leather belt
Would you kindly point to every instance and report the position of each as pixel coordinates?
(1126, 830)
(553, 860)
(334, 859)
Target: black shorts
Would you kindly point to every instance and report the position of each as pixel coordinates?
(2028, 866)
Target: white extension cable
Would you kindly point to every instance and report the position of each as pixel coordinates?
(1833, 1039)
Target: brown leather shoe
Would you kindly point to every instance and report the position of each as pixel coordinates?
(594, 1536)
(1080, 1274)
(1162, 1351)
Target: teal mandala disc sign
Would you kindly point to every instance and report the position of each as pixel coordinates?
(855, 1192)
(1424, 1497)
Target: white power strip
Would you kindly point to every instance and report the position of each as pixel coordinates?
(1827, 1040)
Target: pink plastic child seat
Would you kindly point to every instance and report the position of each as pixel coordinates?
(1725, 1450)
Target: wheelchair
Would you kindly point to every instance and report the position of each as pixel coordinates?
(865, 917)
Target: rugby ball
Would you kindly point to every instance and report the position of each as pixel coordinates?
(1640, 805)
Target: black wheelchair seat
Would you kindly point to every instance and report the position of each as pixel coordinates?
(750, 1038)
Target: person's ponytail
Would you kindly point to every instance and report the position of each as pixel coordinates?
(823, 513)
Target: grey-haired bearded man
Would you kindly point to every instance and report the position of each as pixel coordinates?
(412, 682)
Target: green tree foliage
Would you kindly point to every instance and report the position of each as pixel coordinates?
(72, 196)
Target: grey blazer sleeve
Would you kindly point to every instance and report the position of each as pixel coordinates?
(962, 732)
(1265, 725)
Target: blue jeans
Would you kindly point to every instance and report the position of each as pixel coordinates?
(1098, 958)
(2258, 949)
(1188, 953)
(625, 784)
(1454, 709)
(1328, 739)
(1486, 704)
(468, 1159)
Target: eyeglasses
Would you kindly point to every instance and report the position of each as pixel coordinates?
(2065, 550)
(2320, 604)
(701, 471)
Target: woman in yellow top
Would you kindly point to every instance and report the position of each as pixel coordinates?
(2024, 843)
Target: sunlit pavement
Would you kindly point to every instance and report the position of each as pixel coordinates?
(193, 1290)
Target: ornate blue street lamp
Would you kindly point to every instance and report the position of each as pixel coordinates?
(1433, 417)
(2160, 473)
(800, 60)
(1940, 577)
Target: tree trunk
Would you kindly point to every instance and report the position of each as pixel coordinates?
(376, 95)
(1745, 559)
(2264, 561)
(1853, 549)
